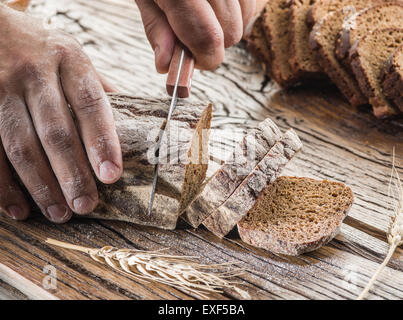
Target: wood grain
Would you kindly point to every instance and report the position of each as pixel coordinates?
(340, 143)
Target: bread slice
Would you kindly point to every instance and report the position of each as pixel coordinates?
(322, 7)
(257, 44)
(389, 15)
(296, 215)
(322, 41)
(392, 78)
(246, 156)
(225, 218)
(276, 20)
(369, 56)
(196, 160)
(301, 58)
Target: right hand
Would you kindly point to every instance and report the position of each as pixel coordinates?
(205, 27)
(42, 72)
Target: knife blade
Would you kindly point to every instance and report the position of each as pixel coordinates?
(178, 85)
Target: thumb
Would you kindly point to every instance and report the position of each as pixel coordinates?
(159, 33)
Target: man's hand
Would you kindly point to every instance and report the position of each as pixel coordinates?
(205, 27)
(41, 72)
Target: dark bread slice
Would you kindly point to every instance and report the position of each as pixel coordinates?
(369, 57)
(276, 19)
(301, 58)
(296, 215)
(392, 78)
(389, 15)
(322, 7)
(225, 217)
(251, 150)
(322, 41)
(257, 44)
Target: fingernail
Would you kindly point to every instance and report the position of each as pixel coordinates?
(15, 212)
(83, 205)
(109, 172)
(58, 213)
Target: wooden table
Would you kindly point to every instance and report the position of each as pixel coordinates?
(340, 144)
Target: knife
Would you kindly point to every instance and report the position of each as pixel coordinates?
(179, 83)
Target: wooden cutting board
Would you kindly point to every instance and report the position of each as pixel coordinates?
(340, 144)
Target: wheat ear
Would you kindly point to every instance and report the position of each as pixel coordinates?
(177, 271)
(395, 235)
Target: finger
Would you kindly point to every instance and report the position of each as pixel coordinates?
(195, 24)
(248, 9)
(94, 116)
(229, 14)
(12, 200)
(159, 33)
(106, 85)
(28, 159)
(60, 140)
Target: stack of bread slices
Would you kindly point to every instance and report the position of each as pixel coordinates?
(354, 43)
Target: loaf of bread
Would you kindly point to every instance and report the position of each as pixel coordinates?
(225, 217)
(252, 149)
(296, 215)
(302, 59)
(392, 78)
(182, 169)
(323, 42)
(369, 57)
(389, 15)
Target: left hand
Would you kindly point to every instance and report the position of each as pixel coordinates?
(205, 27)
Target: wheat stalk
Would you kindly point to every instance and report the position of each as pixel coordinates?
(181, 272)
(395, 235)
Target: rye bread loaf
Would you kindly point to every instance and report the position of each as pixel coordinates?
(392, 78)
(257, 44)
(369, 57)
(183, 157)
(389, 15)
(225, 217)
(323, 41)
(276, 20)
(296, 215)
(251, 150)
(322, 7)
(301, 57)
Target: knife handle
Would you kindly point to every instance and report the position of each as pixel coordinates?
(185, 79)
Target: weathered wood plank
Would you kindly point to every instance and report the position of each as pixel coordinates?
(8, 292)
(339, 144)
(329, 273)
